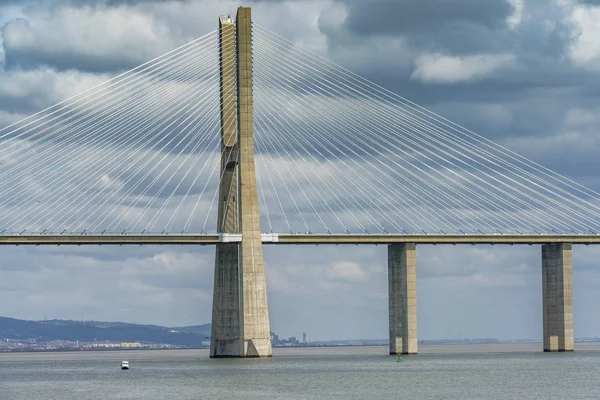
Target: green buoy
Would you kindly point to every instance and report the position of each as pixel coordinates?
(399, 358)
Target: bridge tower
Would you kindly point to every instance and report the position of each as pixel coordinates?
(240, 320)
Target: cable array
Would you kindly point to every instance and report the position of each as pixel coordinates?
(337, 153)
(136, 154)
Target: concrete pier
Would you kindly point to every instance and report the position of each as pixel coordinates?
(226, 324)
(402, 283)
(557, 297)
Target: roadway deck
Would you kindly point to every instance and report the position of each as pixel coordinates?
(294, 239)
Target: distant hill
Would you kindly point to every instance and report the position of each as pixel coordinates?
(89, 331)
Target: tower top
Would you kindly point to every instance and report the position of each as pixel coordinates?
(226, 19)
(244, 12)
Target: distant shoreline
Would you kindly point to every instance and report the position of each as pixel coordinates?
(309, 346)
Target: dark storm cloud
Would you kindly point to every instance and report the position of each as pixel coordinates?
(392, 17)
(457, 26)
(460, 26)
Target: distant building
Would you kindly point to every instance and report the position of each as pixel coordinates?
(131, 345)
(304, 341)
(104, 345)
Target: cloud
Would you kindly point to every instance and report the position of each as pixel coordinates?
(347, 272)
(94, 40)
(405, 16)
(516, 18)
(478, 266)
(462, 27)
(438, 68)
(585, 49)
(143, 289)
(27, 92)
(114, 3)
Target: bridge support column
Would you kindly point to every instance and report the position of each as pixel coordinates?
(255, 326)
(226, 330)
(402, 284)
(225, 339)
(240, 313)
(557, 297)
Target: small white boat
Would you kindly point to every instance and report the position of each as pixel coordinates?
(124, 364)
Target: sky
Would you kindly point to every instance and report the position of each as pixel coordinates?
(524, 73)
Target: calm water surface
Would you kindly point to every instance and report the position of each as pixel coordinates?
(497, 371)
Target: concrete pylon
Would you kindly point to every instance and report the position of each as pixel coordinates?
(226, 334)
(557, 297)
(402, 284)
(240, 326)
(255, 326)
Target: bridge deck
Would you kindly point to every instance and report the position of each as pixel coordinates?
(293, 239)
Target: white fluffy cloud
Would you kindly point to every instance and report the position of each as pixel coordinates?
(347, 271)
(33, 90)
(585, 49)
(445, 69)
(95, 39)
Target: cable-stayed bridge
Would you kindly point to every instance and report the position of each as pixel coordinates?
(242, 138)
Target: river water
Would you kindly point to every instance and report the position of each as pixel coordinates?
(490, 371)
